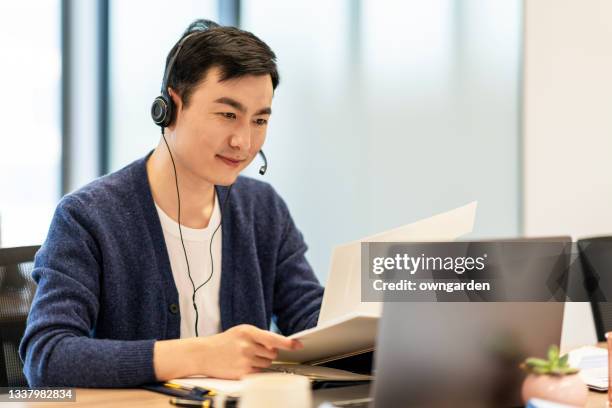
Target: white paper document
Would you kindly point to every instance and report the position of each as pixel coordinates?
(227, 387)
(593, 364)
(350, 334)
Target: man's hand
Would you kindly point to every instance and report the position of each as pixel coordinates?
(232, 354)
(239, 351)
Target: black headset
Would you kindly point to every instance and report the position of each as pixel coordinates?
(163, 108)
(162, 112)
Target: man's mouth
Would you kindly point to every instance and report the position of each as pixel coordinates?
(229, 161)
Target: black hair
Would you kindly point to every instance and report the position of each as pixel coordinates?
(234, 51)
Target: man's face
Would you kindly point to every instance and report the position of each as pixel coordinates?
(223, 127)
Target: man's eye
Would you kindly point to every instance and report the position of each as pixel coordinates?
(228, 115)
(261, 122)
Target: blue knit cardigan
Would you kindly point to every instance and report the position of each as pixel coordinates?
(106, 292)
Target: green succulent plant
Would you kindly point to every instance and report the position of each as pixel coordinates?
(555, 365)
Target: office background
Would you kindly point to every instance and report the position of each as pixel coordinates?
(387, 112)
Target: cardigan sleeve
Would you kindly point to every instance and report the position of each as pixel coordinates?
(298, 294)
(58, 348)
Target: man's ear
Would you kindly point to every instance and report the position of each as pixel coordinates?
(176, 99)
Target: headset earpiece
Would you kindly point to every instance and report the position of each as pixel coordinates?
(162, 111)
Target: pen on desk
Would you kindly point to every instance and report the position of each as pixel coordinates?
(180, 402)
(194, 390)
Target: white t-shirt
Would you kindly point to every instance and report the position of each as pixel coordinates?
(197, 244)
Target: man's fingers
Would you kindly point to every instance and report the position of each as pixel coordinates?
(273, 340)
(259, 362)
(265, 352)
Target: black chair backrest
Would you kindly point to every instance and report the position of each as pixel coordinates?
(596, 259)
(17, 289)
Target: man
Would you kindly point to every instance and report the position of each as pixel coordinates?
(161, 270)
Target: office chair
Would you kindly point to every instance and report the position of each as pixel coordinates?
(596, 259)
(16, 292)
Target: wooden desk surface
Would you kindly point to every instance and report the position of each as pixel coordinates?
(104, 398)
(597, 399)
(94, 398)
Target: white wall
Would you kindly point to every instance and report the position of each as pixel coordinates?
(568, 128)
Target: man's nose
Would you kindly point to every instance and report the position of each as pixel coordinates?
(241, 138)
